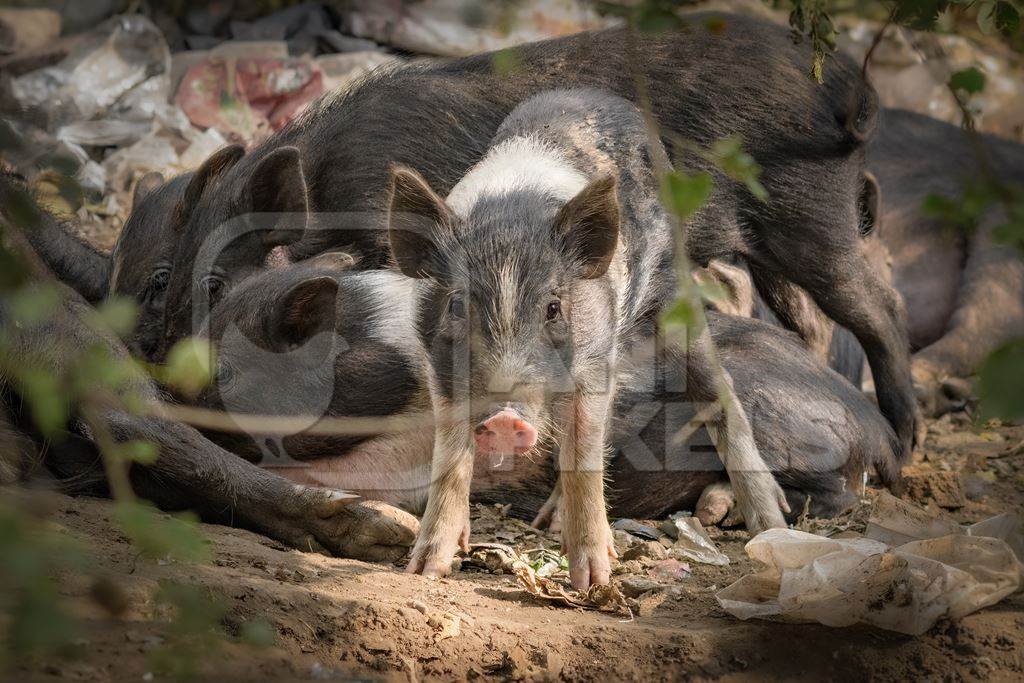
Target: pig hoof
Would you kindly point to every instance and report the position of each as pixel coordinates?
(715, 504)
(590, 568)
(548, 519)
(930, 391)
(430, 561)
(762, 503)
(371, 531)
(556, 522)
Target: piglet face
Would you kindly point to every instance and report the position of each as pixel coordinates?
(516, 302)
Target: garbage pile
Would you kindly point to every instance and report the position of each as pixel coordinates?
(115, 96)
(135, 94)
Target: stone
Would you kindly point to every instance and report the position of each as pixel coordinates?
(647, 549)
(635, 586)
(945, 489)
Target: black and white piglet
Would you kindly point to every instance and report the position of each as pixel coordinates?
(544, 266)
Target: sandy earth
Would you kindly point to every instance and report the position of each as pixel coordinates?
(338, 619)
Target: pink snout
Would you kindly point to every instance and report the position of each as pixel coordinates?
(505, 433)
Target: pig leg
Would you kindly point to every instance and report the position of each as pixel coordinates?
(849, 291)
(989, 312)
(717, 505)
(550, 515)
(192, 472)
(586, 536)
(758, 493)
(445, 524)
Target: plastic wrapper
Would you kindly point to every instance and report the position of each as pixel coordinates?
(692, 541)
(250, 97)
(935, 568)
(465, 27)
(116, 77)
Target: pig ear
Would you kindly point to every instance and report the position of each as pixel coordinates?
(218, 163)
(414, 215)
(306, 309)
(145, 185)
(333, 260)
(589, 226)
(278, 186)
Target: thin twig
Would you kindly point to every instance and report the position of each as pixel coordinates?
(876, 42)
(313, 425)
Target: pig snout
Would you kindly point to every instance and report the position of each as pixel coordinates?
(505, 433)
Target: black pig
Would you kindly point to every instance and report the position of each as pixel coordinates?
(747, 79)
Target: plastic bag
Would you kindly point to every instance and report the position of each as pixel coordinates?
(117, 77)
(938, 569)
(692, 541)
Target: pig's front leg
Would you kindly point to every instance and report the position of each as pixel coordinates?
(586, 536)
(445, 524)
(758, 494)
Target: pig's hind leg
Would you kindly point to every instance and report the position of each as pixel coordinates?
(989, 312)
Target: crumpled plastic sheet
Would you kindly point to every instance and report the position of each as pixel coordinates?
(692, 541)
(908, 570)
(107, 90)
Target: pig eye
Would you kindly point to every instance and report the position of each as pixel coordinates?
(554, 311)
(225, 375)
(212, 286)
(159, 279)
(456, 307)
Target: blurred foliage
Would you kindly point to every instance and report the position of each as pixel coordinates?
(31, 553)
(189, 368)
(66, 378)
(1001, 382)
(810, 19)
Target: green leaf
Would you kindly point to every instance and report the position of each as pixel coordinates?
(1011, 232)
(505, 62)
(12, 271)
(257, 633)
(654, 17)
(46, 398)
(142, 452)
(1000, 382)
(919, 14)
(157, 535)
(194, 635)
(712, 292)
(729, 156)
(999, 16)
(684, 195)
(970, 81)
(98, 369)
(33, 304)
(1007, 18)
(118, 314)
(190, 366)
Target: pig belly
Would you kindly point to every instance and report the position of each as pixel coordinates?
(927, 269)
(394, 469)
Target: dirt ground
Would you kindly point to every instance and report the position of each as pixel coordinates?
(340, 619)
